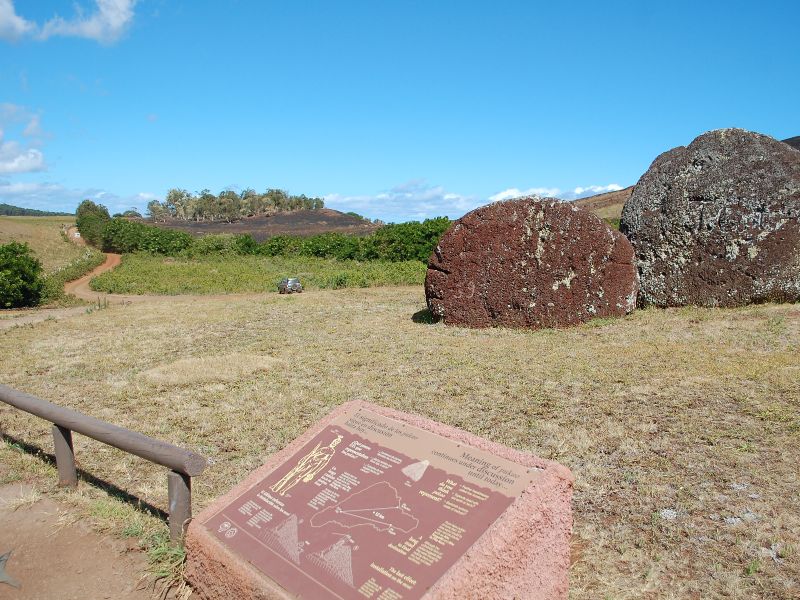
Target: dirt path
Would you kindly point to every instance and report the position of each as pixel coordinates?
(80, 287)
(74, 236)
(79, 564)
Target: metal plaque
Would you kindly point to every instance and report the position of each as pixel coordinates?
(371, 507)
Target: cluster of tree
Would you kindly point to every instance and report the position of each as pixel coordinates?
(228, 205)
(131, 213)
(91, 219)
(394, 242)
(8, 210)
(21, 280)
(363, 218)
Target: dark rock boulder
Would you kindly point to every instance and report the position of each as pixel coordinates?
(715, 223)
(530, 263)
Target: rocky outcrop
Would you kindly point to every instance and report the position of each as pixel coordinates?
(530, 263)
(716, 223)
(794, 142)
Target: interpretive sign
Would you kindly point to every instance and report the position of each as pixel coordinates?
(370, 507)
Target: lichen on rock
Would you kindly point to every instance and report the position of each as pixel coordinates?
(717, 222)
(530, 263)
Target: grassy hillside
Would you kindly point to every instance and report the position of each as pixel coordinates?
(607, 206)
(62, 260)
(682, 427)
(43, 235)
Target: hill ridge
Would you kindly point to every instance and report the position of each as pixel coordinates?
(794, 142)
(607, 205)
(9, 210)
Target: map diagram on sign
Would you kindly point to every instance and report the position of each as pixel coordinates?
(367, 507)
(378, 506)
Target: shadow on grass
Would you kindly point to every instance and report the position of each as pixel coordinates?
(424, 316)
(109, 488)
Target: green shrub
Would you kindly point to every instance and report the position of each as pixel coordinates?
(245, 244)
(54, 281)
(91, 218)
(392, 243)
(21, 282)
(404, 241)
(220, 245)
(121, 235)
(331, 245)
(281, 245)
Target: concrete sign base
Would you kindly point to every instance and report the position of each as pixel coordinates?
(374, 503)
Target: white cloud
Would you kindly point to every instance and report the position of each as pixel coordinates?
(418, 200)
(596, 189)
(413, 200)
(33, 128)
(12, 113)
(57, 197)
(16, 157)
(545, 192)
(12, 26)
(15, 114)
(15, 160)
(106, 24)
(517, 193)
(42, 196)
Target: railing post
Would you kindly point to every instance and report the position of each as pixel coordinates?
(180, 505)
(65, 456)
(183, 463)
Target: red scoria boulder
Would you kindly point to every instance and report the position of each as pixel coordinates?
(530, 263)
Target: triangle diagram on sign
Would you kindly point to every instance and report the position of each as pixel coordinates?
(416, 470)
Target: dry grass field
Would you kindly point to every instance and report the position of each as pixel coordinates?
(682, 427)
(42, 234)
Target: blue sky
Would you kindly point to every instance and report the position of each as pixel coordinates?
(397, 110)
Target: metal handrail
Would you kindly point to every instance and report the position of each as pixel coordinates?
(184, 464)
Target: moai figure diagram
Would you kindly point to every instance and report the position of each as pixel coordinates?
(307, 467)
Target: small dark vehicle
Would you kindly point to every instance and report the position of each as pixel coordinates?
(290, 285)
